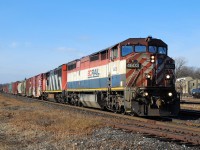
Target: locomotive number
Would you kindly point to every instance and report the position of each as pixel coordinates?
(132, 65)
(170, 66)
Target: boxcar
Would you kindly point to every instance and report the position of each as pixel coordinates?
(29, 87)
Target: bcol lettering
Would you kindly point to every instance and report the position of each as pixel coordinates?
(93, 73)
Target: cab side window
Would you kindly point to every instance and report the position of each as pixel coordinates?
(126, 50)
(114, 53)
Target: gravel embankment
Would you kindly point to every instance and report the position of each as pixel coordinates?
(109, 138)
(102, 137)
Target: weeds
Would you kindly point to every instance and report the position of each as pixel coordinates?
(40, 126)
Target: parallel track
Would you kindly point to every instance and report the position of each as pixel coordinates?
(190, 112)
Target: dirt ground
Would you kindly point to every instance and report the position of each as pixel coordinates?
(25, 124)
(190, 103)
(32, 125)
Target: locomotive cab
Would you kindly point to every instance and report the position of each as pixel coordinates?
(150, 79)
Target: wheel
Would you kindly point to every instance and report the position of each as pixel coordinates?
(122, 110)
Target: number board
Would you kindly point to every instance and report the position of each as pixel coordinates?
(170, 66)
(133, 65)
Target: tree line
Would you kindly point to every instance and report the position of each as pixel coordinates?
(182, 70)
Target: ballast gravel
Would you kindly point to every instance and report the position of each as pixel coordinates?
(109, 138)
(105, 138)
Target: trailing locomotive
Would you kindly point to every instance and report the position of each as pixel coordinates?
(134, 76)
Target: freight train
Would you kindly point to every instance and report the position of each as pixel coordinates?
(135, 76)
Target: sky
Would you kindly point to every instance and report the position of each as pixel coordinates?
(39, 35)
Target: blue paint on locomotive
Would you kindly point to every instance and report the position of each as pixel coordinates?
(97, 83)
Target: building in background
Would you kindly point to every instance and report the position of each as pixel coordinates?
(186, 84)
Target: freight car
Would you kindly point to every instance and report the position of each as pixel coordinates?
(1, 87)
(135, 76)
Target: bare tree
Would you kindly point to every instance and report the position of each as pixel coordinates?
(188, 71)
(197, 73)
(181, 86)
(180, 63)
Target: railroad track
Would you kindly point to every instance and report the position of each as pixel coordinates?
(190, 112)
(190, 109)
(186, 136)
(186, 133)
(190, 102)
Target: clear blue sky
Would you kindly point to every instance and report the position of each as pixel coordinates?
(39, 35)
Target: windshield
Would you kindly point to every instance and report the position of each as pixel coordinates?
(127, 50)
(162, 50)
(159, 50)
(140, 48)
(152, 49)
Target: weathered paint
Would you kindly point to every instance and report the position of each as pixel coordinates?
(55, 80)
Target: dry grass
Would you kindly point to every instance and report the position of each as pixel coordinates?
(33, 126)
(191, 106)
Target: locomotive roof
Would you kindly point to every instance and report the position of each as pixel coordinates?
(148, 40)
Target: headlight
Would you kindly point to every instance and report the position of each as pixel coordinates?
(170, 94)
(167, 76)
(145, 94)
(152, 58)
(148, 76)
